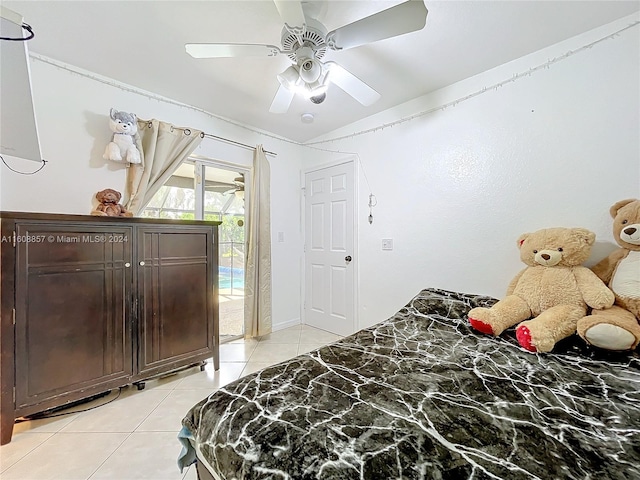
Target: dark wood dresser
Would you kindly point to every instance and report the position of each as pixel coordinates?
(88, 304)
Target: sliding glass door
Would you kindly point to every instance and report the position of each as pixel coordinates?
(223, 200)
(207, 190)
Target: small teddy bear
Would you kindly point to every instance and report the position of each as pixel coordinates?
(109, 206)
(617, 328)
(553, 291)
(123, 146)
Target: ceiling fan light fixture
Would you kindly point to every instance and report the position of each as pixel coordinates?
(310, 70)
(315, 89)
(289, 78)
(318, 98)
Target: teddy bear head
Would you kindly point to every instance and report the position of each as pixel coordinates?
(568, 247)
(626, 223)
(108, 196)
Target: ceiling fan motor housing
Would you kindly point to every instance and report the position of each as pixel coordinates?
(313, 36)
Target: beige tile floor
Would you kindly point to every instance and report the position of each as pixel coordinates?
(134, 437)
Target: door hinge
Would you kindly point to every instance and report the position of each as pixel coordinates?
(13, 313)
(14, 396)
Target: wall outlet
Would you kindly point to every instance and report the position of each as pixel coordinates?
(387, 244)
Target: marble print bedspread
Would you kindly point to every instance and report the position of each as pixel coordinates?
(421, 395)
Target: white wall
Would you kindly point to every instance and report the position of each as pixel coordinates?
(72, 112)
(456, 187)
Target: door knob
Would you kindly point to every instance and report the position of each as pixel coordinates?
(127, 264)
(347, 258)
(142, 264)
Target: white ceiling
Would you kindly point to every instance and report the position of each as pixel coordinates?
(141, 43)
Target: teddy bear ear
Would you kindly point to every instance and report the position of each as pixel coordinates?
(585, 235)
(112, 113)
(618, 205)
(522, 238)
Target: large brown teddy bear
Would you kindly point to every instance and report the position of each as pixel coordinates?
(617, 328)
(109, 205)
(553, 291)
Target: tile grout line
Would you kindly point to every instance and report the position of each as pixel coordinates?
(169, 390)
(109, 456)
(27, 453)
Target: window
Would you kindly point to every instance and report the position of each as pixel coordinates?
(176, 199)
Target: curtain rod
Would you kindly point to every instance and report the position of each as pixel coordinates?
(215, 137)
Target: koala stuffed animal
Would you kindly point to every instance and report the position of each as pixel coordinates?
(122, 146)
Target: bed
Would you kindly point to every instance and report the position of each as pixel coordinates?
(421, 395)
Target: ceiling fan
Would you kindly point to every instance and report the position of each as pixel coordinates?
(239, 186)
(306, 40)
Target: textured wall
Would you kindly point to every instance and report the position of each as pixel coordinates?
(456, 187)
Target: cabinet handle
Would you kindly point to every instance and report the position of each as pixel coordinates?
(142, 264)
(127, 264)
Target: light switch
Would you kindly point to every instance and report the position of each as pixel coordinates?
(387, 244)
(280, 237)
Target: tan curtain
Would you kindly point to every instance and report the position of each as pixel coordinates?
(257, 287)
(163, 147)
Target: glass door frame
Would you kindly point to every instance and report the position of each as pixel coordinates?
(199, 185)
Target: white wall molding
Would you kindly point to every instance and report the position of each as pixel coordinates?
(282, 325)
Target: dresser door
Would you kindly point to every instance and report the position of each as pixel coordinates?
(175, 268)
(73, 294)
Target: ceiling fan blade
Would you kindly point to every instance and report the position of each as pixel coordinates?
(282, 100)
(291, 12)
(403, 18)
(220, 50)
(351, 84)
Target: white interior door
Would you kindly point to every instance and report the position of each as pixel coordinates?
(329, 249)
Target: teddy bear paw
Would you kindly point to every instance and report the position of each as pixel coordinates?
(478, 319)
(523, 335)
(481, 326)
(609, 337)
(604, 300)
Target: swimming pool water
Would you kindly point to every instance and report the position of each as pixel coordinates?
(224, 277)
